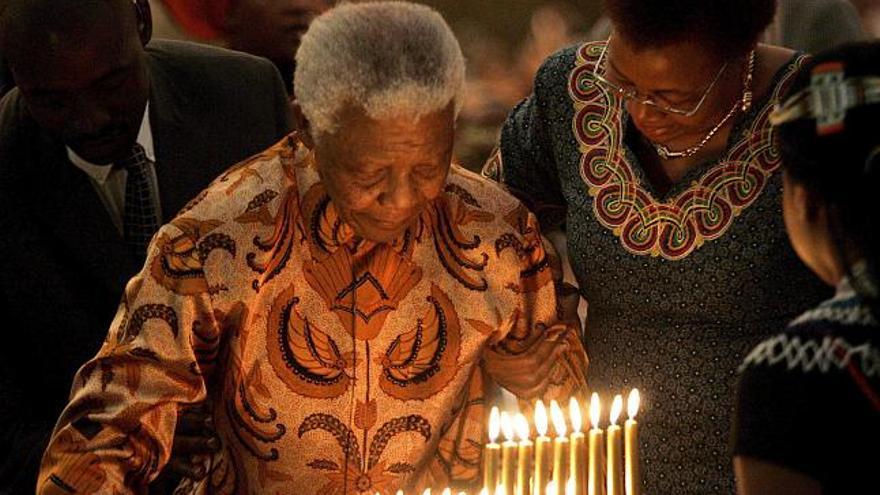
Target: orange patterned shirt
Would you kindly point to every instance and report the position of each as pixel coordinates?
(331, 364)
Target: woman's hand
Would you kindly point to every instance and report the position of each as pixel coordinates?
(528, 374)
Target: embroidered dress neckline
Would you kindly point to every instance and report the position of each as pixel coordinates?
(699, 208)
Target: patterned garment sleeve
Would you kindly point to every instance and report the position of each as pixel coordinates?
(524, 162)
(117, 431)
(538, 314)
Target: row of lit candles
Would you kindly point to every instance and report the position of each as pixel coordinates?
(567, 464)
(570, 463)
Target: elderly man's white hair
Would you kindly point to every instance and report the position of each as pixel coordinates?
(391, 58)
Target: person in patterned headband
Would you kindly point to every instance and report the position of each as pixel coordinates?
(653, 151)
(823, 371)
(344, 303)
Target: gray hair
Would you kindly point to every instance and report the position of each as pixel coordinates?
(391, 58)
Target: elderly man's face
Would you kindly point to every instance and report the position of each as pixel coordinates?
(380, 174)
(87, 86)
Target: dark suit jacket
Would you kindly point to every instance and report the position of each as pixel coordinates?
(63, 264)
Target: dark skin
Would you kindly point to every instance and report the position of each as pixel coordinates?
(85, 81)
(679, 73)
(381, 174)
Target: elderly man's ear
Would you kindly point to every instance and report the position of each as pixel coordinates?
(301, 124)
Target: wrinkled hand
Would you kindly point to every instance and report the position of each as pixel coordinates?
(528, 374)
(195, 435)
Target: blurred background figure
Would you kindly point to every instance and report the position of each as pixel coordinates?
(869, 11)
(805, 25)
(267, 28)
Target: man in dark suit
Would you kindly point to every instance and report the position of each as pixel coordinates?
(104, 139)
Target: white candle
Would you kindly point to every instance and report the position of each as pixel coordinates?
(631, 445)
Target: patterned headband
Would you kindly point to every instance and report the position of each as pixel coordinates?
(828, 98)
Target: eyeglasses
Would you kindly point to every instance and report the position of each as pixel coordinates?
(654, 102)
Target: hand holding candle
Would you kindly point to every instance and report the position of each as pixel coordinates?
(631, 445)
(614, 459)
(596, 481)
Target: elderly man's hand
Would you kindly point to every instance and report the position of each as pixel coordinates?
(194, 435)
(528, 374)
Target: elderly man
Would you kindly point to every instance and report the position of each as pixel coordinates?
(106, 137)
(336, 300)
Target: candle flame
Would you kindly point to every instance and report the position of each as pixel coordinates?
(595, 410)
(507, 426)
(541, 418)
(499, 489)
(484, 491)
(616, 408)
(494, 424)
(399, 492)
(551, 488)
(574, 413)
(427, 491)
(558, 418)
(569, 487)
(632, 403)
(447, 491)
(522, 427)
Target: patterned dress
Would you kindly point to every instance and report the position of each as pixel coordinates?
(332, 365)
(809, 398)
(680, 285)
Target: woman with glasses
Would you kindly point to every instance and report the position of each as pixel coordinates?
(654, 152)
(821, 374)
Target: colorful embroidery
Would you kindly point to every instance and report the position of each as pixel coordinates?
(675, 228)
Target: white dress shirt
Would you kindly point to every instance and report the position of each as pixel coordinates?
(109, 182)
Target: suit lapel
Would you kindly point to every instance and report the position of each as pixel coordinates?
(170, 135)
(75, 215)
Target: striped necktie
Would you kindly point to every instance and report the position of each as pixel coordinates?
(139, 220)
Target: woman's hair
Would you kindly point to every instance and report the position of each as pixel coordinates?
(842, 168)
(391, 58)
(730, 27)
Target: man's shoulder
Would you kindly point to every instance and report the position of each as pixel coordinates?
(478, 191)
(19, 133)
(206, 61)
(13, 113)
(558, 66)
(238, 195)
